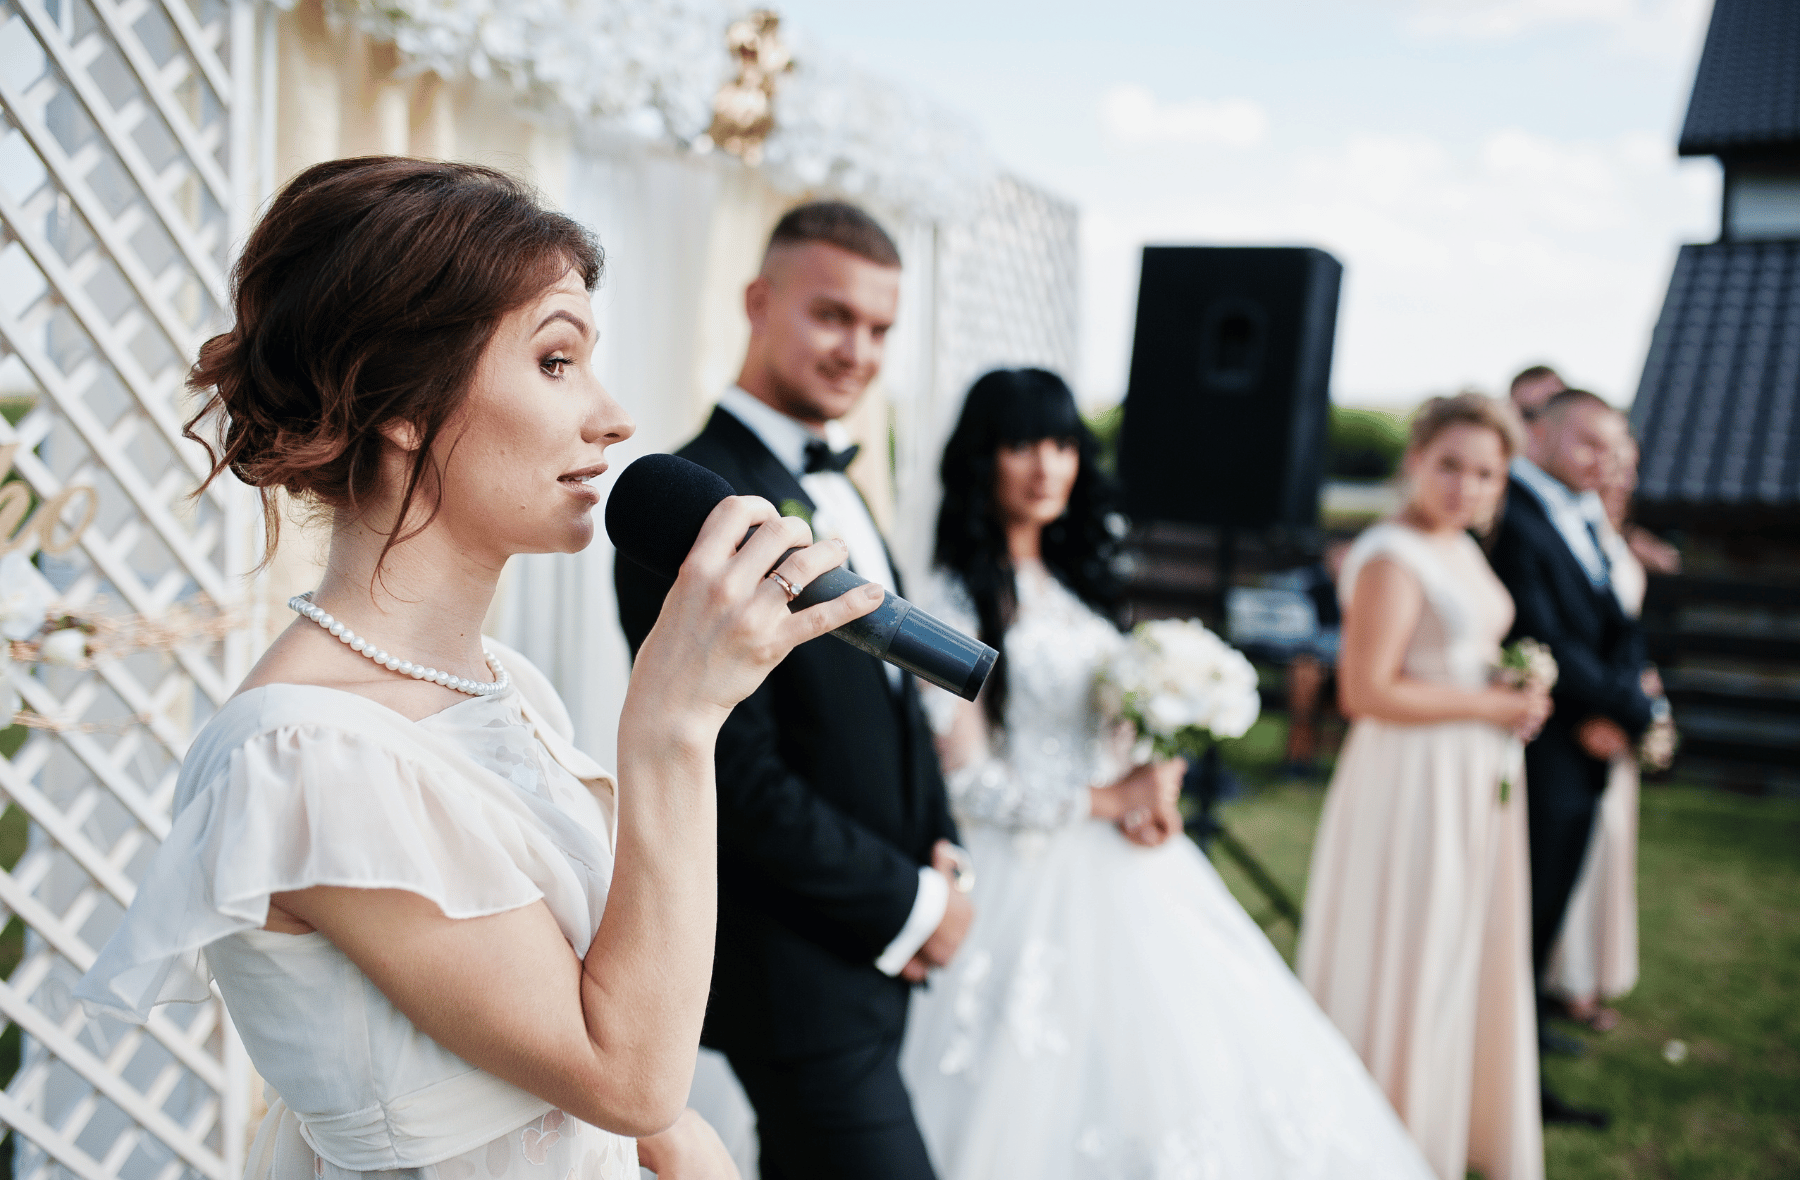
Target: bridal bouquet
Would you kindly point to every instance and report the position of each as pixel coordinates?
(1656, 749)
(1179, 684)
(1524, 663)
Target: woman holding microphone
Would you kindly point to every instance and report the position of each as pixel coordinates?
(453, 944)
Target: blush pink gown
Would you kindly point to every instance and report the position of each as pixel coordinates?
(1417, 940)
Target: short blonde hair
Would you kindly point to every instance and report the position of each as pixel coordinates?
(1467, 408)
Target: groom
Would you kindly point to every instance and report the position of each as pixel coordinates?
(835, 889)
(1549, 554)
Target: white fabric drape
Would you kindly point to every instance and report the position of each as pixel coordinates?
(653, 214)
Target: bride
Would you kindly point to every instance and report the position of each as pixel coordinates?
(1114, 1012)
(453, 944)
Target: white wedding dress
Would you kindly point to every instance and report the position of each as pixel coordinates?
(1114, 1013)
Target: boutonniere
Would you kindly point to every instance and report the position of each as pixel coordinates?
(795, 508)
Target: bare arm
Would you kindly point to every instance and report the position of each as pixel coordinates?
(611, 1038)
(1379, 621)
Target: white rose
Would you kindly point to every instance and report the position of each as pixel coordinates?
(66, 647)
(1237, 716)
(25, 597)
(1165, 714)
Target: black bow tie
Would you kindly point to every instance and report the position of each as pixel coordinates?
(820, 457)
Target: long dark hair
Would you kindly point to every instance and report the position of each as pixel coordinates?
(1006, 407)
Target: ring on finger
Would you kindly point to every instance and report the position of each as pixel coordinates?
(792, 591)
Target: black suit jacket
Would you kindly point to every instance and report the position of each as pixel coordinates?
(1599, 649)
(830, 799)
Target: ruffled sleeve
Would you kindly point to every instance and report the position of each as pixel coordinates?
(309, 802)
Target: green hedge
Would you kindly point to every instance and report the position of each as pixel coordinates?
(1364, 444)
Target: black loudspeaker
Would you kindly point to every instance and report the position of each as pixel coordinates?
(1225, 416)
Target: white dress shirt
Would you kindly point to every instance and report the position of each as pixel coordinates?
(1579, 517)
(839, 511)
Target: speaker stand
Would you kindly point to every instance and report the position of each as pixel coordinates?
(1224, 570)
(1203, 783)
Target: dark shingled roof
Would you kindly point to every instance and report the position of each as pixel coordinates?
(1747, 90)
(1718, 411)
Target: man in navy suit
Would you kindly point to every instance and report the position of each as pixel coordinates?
(1549, 554)
(838, 886)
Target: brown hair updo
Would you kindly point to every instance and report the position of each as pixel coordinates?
(1464, 409)
(364, 297)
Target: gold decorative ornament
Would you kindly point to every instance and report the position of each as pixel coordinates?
(16, 500)
(744, 108)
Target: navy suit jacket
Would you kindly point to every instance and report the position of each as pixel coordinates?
(830, 800)
(1599, 649)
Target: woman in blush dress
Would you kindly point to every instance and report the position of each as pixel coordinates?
(1596, 953)
(1114, 1013)
(1417, 940)
(454, 945)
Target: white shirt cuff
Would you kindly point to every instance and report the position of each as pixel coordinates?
(927, 912)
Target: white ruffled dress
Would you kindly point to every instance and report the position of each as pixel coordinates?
(481, 808)
(1113, 1014)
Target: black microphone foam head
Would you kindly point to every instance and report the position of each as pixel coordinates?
(657, 507)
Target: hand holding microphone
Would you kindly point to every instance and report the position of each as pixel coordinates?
(728, 622)
(656, 513)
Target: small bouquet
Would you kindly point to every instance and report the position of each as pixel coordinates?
(1179, 684)
(1524, 663)
(1656, 749)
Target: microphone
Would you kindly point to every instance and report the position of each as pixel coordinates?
(655, 513)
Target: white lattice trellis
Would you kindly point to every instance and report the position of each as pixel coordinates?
(1002, 288)
(121, 193)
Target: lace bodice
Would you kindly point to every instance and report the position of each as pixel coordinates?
(1035, 773)
(1467, 611)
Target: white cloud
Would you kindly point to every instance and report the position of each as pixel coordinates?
(1464, 259)
(1668, 29)
(1132, 115)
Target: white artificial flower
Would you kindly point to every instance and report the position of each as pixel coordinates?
(25, 598)
(649, 69)
(65, 648)
(1236, 718)
(1173, 676)
(1167, 714)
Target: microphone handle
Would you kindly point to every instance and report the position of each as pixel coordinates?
(903, 635)
(876, 629)
(900, 633)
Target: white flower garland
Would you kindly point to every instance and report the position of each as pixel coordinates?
(652, 67)
(840, 129)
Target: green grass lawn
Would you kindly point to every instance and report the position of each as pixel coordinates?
(1719, 922)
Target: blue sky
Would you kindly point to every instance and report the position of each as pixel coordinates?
(1498, 176)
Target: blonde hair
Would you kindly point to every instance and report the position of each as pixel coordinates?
(1467, 408)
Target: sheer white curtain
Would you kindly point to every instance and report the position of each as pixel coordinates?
(653, 214)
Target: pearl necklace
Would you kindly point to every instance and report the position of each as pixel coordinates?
(303, 605)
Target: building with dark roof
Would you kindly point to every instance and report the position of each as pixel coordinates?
(1718, 417)
(1718, 409)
